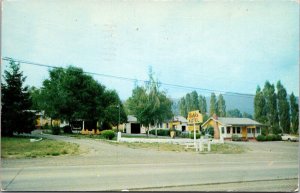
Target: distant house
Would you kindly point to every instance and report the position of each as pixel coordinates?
(42, 121)
(132, 125)
(226, 127)
(177, 122)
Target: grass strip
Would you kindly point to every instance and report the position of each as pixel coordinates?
(21, 147)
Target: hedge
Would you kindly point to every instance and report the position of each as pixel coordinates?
(160, 132)
(236, 138)
(197, 135)
(56, 130)
(270, 137)
(67, 129)
(261, 138)
(108, 134)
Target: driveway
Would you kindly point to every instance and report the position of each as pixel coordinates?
(106, 166)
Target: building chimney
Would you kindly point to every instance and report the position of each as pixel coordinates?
(215, 116)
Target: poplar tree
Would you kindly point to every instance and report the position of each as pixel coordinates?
(271, 107)
(294, 113)
(188, 102)
(260, 113)
(221, 107)
(213, 101)
(182, 107)
(283, 108)
(202, 104)
(194, 101)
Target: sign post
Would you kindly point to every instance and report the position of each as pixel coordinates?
(193, 118)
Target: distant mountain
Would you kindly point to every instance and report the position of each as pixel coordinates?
(245, 103)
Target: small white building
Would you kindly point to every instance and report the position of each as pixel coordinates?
(133, 126)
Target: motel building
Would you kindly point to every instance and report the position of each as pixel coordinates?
(226, 127)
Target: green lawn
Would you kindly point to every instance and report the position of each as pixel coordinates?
(215, 148)
(21, 147)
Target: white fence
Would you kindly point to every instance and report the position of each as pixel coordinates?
(181, 141)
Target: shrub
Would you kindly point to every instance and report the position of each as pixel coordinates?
(56, 130)
(185, 135)
(236, 138)
(210, 131)
(67, 129)
(178, 133)
(270, 137)
(55, 153)
(261, 138)
(152, 132)
(197, 135)
(160, 132)
(108, 134)
(264, 131)
(278, 138)
(273, 137)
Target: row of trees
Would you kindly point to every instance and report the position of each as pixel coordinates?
(68, 94)
(192, 101)
(217, 106)
(149, 104)
(275, 109)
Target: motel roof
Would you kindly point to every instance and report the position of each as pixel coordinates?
(237, 121)
(229, 121)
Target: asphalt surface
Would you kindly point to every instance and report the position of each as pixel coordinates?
(269, 165)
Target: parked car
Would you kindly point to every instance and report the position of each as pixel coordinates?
(288, 137)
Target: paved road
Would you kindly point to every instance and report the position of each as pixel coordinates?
(114, 167)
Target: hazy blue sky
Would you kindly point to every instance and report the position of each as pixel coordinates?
(221, 45)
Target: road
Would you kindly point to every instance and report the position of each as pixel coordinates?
(271, 165)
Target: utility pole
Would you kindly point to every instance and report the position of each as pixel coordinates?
(119, 118)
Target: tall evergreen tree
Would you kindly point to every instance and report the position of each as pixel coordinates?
(294, 113)
(260, 113)
(194, 101)
(213, 101)
(271, 106)
(202, 104)
(283, 108)
(188, 102)
(182, 107)
(221, 107)
(16, 103)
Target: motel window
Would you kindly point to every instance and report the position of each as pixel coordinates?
(257, 130)
(249, 130)
(238, 130)
(228, 130)
(222, 130)
(233, 130)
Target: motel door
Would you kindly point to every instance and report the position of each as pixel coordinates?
(253, 132)
(244, 132)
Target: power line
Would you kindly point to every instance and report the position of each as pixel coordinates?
(137, 80)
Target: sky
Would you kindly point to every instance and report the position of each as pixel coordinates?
(219, 45)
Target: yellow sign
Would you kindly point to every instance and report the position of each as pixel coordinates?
(194, 117)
